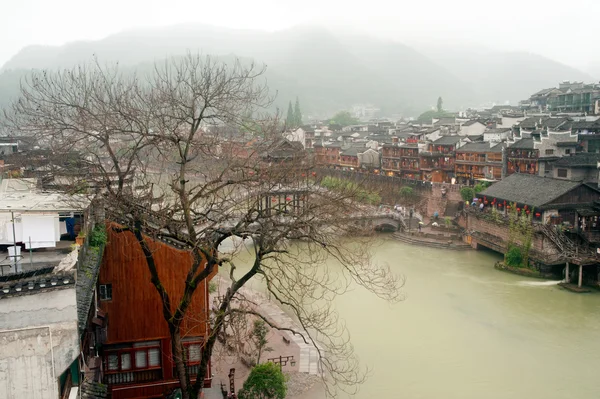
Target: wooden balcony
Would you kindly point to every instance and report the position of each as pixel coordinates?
(133, 377)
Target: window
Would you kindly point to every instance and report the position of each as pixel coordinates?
(139, 356)
(561, 172)
(105, 292)
(550, 152)
(193, 349)
(567, 151)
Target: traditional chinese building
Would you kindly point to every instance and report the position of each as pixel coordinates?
(523, 157)
(136, 353)
(478, 161)
(437, 162)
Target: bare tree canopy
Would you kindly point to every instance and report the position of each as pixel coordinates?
(188, 155)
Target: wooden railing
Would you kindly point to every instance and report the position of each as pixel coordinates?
(133, 377)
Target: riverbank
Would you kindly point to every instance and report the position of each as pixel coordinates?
(522, 271)
(236, 352)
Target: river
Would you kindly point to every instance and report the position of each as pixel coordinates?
(466, 330)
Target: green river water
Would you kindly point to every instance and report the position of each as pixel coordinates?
(466, 330)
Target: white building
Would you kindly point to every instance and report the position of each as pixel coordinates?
(472, 128)
(497, 135)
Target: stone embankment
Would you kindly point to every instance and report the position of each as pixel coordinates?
(441, 243)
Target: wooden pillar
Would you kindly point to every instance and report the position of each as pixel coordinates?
(580, 276)
(567, 279)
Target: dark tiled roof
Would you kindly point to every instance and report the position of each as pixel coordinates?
(554, 122)
(33, 282)
(581, 160)
(446, 121)
(529, 189)
(586, 125)
(497, 108)
(498, 130)
(88, 269)
(475, 147)
(353, 151)
(523, 144)
(530, 122)
(498, 147)
(93, 390)
(447, 140)
(566, 144)
(471, 122)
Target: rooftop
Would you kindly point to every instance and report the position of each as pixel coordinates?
(476, 147)
(529, 189)
(523, 144)
(581, 160)
(447, 140)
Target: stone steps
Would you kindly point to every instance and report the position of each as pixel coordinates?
(430, 244)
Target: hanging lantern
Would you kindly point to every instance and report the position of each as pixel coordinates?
(314, 174)
(527, 212)
(518, 209)
(288, 198)
(537, 214)
(303, 174)
(525, 207)
(273, 199)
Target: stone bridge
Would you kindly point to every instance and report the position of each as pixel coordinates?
(379, 221)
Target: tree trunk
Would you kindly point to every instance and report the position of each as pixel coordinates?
(259, 353)
(179, 360)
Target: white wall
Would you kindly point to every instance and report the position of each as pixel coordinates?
(298, 135)
(509, 122)
(38, 341)
(495, 137)
(472, 130)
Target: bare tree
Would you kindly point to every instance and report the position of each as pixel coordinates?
(163, 153)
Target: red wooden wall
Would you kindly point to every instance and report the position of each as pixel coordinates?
(135, 311)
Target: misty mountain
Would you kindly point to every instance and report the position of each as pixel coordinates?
(502, 76)
(328, 72)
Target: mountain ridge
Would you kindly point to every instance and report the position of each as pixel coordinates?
(327, 71)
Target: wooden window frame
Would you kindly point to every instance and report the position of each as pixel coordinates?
(132, 352)
(193, 341)
(107, 288)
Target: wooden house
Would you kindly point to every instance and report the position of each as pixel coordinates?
(437, 162)
(136, 353)
(553, 201)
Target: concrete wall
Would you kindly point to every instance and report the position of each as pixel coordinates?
(39, 341)
(578, 174)
(471, 223)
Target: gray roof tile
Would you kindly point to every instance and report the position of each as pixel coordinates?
(528, 189)
(87, 274)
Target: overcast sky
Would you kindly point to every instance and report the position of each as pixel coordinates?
(565, 32)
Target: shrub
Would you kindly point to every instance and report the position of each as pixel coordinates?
(467, 193)
(266, 381)
(448, 221)
(98, 236)
(513, 257)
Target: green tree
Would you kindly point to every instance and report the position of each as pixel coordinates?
(407, 194)
(289, 121)
(266, 381)
(467, 193)
(427, 116)
(297, 114)
(440, 104)
(344, 118)
(259, 338)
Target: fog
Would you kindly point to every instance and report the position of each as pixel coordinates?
(559, 31)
